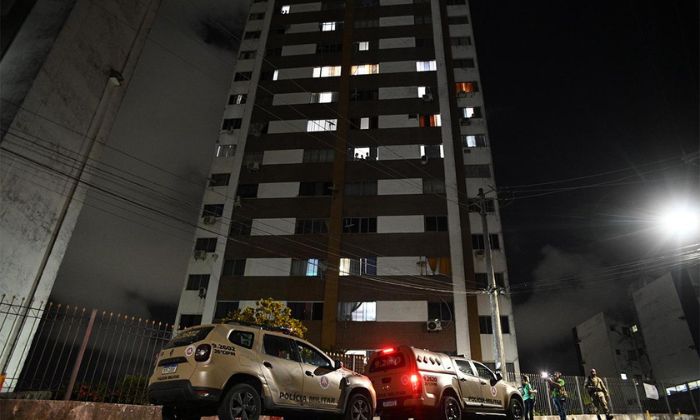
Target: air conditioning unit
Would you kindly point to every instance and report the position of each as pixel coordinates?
(209, 220)
(433, 325)
(253, 166)
(202, 292)
(200, 255)
(428, 97)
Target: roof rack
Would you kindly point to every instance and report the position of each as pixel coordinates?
(283, 330)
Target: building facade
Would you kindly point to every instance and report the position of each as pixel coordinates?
(352, 146)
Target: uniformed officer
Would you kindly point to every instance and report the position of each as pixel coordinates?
(599, 394)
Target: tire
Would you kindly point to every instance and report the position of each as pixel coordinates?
(242, 401)
(450, 409)
(358, 408)
(515, 409)
(174, 413)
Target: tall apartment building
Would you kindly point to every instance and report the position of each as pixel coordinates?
(353, 139)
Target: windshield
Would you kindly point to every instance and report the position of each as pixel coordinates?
(188, 337)
(387, 362)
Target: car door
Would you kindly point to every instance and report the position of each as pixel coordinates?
(321, 379)
(469, 384)
(490, 393)
(282, 370)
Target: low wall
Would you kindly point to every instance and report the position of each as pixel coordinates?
(625, 417)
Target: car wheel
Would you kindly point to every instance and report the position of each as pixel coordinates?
(174, 413)
(515, 409)
(242, 402)
(450, 408)
(358, 408)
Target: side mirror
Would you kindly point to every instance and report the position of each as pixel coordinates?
(496, 379)
(337, 364)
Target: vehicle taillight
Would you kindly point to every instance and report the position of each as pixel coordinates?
(388, 350)
(202, 352)
(415, 382)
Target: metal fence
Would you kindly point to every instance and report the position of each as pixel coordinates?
(68, 352)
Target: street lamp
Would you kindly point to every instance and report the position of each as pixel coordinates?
(680, 221)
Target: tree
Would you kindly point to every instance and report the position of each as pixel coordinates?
(270, 313)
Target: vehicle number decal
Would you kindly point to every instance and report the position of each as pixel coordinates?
(323, 381)
(224, 349)
(430, 379)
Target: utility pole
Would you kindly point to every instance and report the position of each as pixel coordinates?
(498, 349)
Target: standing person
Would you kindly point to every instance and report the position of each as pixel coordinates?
(599, 394)
(558, 394)
(529, 397)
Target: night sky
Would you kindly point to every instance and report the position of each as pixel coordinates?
(572, 89)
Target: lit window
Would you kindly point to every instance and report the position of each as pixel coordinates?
(285, 9)
(463, 88)
(634, 328)
(363, 46)
(357, 311)
(237, 99)
(365, 69)
(430, 120)
(275, 74)
(426, 65)
(327, 26)
(478, 140)
(321, 125)
(225, 150)
(357, 266)
(467, 112)
(323, 97)
(364, 123)
(432, 151)
(422, 90)
(326, 71)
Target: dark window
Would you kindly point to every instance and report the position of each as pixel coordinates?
(216, 210)
(310, 267)
(277, 346)
(457, 20)
(241, 226)
(367, 3)
(455, 2)
(197, 281)
(311, 226)
(185, 338)
(432, 151)
(360, 225)
(443, 311)
(433, 186)
(247, 190)
(367, 23)
(219, 180)
(242, 338)
(462, 40)
(422, 20)
(424, 42)
(231, 124)
(478, 241)
(233, 267)
(246, 55)
(333, 4)
(328, 47)
(486, 327)
(190, 320)
(307, 189)
(237, 99)
(464, 63)
(483, 283)
(252, 35)
(361, 188)
(364, 95)
(436, 223)
(311, 356)
(273, 52)
(632, 355)
(306, 311)
(241, 76)
(205, 244)
(477, 171)
(464, 367)
(224, 309)
(319, 155)
(618, 352)
(489, 203)
(256, 16)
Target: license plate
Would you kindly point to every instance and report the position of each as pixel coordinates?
(391, 403)
(169, 369)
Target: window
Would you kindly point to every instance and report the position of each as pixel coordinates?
(364, 123)
(432, 151)
(361, 69)
(197, 281)
(305, 267)
(632, 355)
(361, 188)
(426, 65)
(457, 20)
(357, 311)
(433, 186)
(273, 52)
(205, 244)
(425, 92)
(362, 153)
(443, 311)
(465, 63)
(464, 367)
(486, 327)
(477, 171)
(482, 280)
(461, 41)
(463, 88)
(284, 10)
(216, 210)
(318, 155)
(327, 71)
(436, 223)
(366, 23)
(455, 2)
(231, 124)
(304, 226)
(256, 16)
(225, 150)
(430, 120)
(246, 55)
(471, 112)
(224, 309)
(241, 226)
(422, 20)
(308, 189)
(360, 225)
(321, 125)
(327, 26)
(189, 320)
(482, 371)
(326, 48)
(306, 311)
(233, 267)
(324, 97)
(277, 346)
(478, 241)
(237, 99)
(488, 203)
(367, 3)
(424, 42)
(311, 356)
(364, 95)
(275, 74)
(252, 35)
(247, 190)
(358, 266)
(242, 338)
(476, 140)
(332, 4)
(362, 46)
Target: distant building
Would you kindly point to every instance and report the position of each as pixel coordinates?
(614, 349)
(668, 311)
